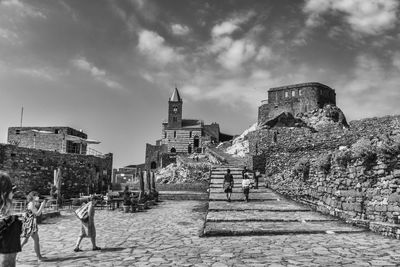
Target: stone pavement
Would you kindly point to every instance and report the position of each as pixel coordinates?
(168, 235)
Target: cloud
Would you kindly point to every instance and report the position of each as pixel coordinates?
(9, 36)
(367, 17)
(231, 25)
(23, 9)
(179, 29)
(98, 74)
(153, 46)
(236, 54)
(40, 73)
(396, 60)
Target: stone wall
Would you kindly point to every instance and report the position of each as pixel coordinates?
(33, 169)
(351, 173)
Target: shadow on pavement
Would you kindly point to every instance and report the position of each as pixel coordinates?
(114, 249)
(64, 258)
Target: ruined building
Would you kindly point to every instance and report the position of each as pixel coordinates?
(180, 135)
(295, 99)
(34, 155)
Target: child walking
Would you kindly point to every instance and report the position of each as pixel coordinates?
(246, 186)
(29, 226)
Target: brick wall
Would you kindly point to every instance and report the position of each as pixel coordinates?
(33, 169)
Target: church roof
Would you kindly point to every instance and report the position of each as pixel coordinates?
(175, 96)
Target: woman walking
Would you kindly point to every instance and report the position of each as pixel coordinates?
(29, 227)
(10, 226)
(87, 228)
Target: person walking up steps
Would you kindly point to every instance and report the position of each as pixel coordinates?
(29, 227)
(87, 228)
(228, 184)
(10, 226)
(246, 186)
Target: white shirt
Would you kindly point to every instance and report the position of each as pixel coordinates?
(246, 183)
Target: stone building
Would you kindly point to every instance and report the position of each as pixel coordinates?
(180, 136)
(295, 99)
(59, 139)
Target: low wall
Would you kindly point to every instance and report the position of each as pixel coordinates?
(33, 169)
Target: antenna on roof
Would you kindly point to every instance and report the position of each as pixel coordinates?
(22, 115)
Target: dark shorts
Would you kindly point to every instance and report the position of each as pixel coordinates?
(246, 191)
(228, 189)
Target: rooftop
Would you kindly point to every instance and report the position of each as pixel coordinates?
(300, 85)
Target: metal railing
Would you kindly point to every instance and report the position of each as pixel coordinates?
(19, 206)
(94, 152)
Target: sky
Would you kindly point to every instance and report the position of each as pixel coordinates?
(108, 67)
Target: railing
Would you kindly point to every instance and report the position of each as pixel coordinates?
(93, 152)
(19, 206)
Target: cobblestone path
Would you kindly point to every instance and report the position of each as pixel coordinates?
(168, 235)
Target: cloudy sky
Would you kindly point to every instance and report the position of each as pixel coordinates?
(108, 67)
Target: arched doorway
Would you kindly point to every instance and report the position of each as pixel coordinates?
(153, 165)
(196, 142)
(173, 150)
(190, 149)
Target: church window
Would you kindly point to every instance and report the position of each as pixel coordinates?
(190, 134)
(286, 94)
(174, 134)
(300, 92)
(293, 93)
(165, 134)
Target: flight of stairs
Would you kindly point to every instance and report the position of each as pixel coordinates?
(267, 213)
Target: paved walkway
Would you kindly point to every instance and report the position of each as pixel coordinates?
(168, 235)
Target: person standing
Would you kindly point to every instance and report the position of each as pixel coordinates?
(246, 186)
(257, 176)
(88, 228)
(228, 184)
(29, 227)
(10, 225)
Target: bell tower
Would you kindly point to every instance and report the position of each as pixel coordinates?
(175, 110)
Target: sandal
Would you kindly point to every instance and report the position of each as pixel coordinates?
(77, 249)
(96, 248)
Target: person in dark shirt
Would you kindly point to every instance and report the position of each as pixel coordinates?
(228, 184)
(10, 225)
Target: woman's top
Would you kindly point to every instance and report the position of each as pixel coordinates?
(10, 231)
(246, 183)
(90, 222)
(228, 179)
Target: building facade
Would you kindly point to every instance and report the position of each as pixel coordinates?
(295, 99)
(60, 139)
(180, 136)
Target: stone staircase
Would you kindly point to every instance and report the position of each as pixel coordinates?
(267, 213)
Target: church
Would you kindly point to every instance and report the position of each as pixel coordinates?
(181, 136)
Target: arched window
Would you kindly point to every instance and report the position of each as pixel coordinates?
(173, 150)
(190, 149)
(196, 142)
(286, 94)
(153, 165)
(293, 93)
(174, 134)
(190, 134)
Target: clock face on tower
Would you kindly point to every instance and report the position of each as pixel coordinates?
(175, 109)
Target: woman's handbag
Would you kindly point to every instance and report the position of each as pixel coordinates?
(83, 212)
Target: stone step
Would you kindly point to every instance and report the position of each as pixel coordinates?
(248, 228)
(236, 196)
(280, 206)
(182, 195)
(238, 189)
(255, 215)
